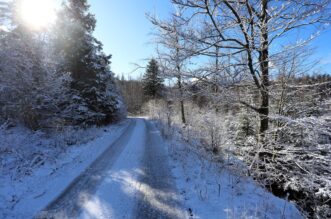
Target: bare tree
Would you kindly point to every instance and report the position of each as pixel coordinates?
(173, 54)
(251, 33)
(133, 93)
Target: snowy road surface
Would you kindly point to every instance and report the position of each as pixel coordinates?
(131, 179)
(158, 198)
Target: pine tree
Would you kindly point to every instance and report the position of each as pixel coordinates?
(153, 83)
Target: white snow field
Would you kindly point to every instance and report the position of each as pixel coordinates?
(129, 171)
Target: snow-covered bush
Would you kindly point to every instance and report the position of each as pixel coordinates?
(297, 163)
(27, 84)
(292, 162)
(23, 150)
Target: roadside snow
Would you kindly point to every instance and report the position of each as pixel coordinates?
(211, 190)
(36, 167)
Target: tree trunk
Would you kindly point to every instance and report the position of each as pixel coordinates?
(182, 107)
(264, 66)
(264, 113)
(182, 111)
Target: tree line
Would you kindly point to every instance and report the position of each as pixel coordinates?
(58, 76)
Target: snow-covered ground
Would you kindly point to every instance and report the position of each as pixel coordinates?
(36, 167)
(132, 182)
(213, 190)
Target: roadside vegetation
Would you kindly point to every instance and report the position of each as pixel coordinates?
(228, 88)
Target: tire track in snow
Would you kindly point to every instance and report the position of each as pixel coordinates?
(158, 196)
(68, 203)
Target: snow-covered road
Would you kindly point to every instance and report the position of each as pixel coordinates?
(131, 179)
(158, 196)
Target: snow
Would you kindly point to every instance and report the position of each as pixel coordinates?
(116, 196)
(46, 181)
(131, 188)
(206, 189)
(212, 189)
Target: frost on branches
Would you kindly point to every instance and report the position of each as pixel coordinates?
(57, 77)
(248, 91)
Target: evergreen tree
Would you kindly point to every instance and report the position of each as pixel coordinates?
(26, 83)
(93, 97)
(153, 83)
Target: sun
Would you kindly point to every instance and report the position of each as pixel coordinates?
(37, 14)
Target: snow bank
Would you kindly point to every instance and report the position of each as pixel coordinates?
(213, 190)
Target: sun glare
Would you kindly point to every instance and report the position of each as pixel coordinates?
(37, 14)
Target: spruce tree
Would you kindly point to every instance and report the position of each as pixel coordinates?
(152, 82)
(93, 97)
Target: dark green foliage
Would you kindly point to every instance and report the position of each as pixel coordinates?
(153, 83)
(93, 97)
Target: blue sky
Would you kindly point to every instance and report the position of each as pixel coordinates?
(323, 50)
(124, 30)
